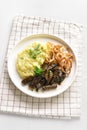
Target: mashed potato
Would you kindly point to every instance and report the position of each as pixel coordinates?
(33, 56)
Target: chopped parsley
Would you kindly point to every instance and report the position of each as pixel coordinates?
(35, 52)
(38, 71)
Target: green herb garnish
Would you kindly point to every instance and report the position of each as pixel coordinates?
(35, 52)
(38, 71)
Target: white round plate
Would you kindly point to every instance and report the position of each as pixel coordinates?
(16, 78)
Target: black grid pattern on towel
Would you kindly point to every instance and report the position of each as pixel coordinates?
(67, 104)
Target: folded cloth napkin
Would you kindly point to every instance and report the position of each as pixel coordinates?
(65, 105)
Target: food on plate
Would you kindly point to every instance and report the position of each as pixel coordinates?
(44, 66)
(32, 56)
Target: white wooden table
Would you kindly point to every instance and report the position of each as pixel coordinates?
(68, 10)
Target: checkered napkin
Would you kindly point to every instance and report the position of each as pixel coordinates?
(65, 105)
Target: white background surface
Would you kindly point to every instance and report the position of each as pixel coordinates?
(68, 10)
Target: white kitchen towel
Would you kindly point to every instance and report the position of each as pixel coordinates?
(65, 105)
